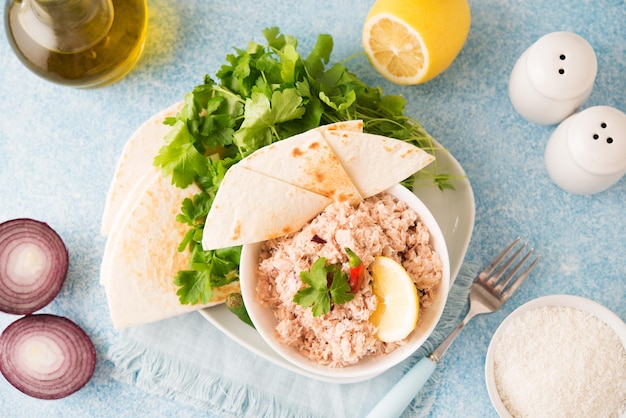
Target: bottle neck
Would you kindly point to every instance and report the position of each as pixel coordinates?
(68, 25)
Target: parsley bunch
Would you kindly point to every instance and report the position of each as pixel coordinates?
(264, 93)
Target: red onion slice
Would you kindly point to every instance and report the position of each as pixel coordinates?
(46, 356)
(33, 265)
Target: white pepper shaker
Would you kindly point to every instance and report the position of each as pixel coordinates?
(553, 78)
(586, 153)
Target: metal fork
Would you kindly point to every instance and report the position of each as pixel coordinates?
(491, 288)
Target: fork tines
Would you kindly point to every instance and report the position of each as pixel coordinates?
(494, 274)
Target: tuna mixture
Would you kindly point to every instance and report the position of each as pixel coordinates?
(380, 225)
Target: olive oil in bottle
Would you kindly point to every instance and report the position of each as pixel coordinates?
(79, 43)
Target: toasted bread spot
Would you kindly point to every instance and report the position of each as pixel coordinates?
(327, 177)
(348, 125)
(344, 197)
(285, 230)
(314, 145)
(297, 152)
(236, 231)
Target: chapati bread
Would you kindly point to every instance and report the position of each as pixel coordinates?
(346, 125)
(307, 161)
(251, 207)
(144, 259)
(124, 211)
(273, 192)
(135, 161)
(374, 162)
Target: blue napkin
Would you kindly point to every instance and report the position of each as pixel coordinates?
(188, 360)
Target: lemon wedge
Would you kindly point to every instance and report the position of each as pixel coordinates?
(413, 41)
(398, 303)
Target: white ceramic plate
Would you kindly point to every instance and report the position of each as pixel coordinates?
(454, 210)
(599, 311)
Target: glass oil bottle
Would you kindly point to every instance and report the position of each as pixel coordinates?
(79, 43)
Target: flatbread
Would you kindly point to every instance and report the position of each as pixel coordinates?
(374, 162)
(307, 161)
(345, 125)
(144, 259)
(251, 207)
(138, 190)
(271, 193)
(135, 161)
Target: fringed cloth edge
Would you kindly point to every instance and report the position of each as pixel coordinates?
(166, 373)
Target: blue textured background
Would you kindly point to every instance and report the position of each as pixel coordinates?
(59, 147)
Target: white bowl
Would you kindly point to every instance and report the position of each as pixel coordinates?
(265, 322)
(570, 301)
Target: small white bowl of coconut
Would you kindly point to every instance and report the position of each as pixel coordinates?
(558, 355)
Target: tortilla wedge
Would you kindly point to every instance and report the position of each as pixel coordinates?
(144, 259)
(374, 162)
(118, 225)
(345, 125)
(307, 161)
(251, 207)
(135, 161)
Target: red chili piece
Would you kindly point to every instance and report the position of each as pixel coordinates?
(357, 270)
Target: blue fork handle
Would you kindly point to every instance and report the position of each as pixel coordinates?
(401, 395)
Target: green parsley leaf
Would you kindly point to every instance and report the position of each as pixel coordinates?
(179, 158)
(319, 294)
(319, 56)
(261, 116)
(340, 291)
(209, 269)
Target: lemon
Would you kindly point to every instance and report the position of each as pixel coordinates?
(413, 41)
(398, 304)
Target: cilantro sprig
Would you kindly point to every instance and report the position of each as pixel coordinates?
(262, 94)
(326, 283)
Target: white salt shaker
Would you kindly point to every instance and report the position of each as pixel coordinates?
(586, 153)
(553, 78)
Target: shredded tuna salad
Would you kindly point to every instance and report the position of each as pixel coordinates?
(380, 225)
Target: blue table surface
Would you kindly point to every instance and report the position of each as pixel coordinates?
(59, 147)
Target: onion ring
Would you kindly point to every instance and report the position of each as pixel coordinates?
(46, 356)
(33, 265)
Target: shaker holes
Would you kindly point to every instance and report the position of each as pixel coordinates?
(603, 125)
(609, 140)
(596, 136)
(562, 58)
